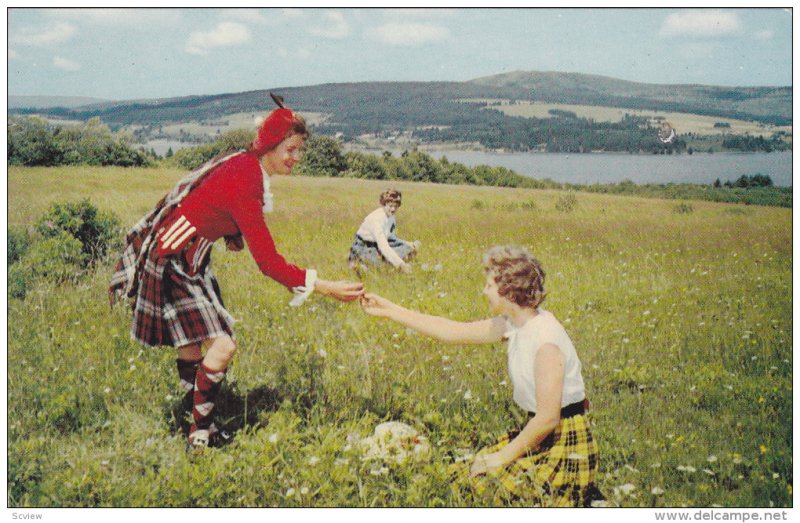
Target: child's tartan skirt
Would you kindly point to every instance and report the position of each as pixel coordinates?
(560, 472)
(174, 308)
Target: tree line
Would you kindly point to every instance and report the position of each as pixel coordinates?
(33, 141)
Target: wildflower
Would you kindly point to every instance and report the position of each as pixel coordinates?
(711, 459)
(107, 390)
(468, 395)
(290, 492)
(686, 468)
(273, 438)
(709, 472)
(657, 491)
(322, 353)
(313, 460)
(379, 472)
(625, 489)
(737, 458)
(132, 368)
(763, 449)
(341, 461)
(775, 475)
(304, 491)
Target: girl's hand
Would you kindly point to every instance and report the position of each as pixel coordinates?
(486, 463)
(340, 290)
(376, 305)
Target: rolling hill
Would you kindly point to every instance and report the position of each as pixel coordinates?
(397, 104)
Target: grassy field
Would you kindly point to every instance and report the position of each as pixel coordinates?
(682, 316)
(683, 122)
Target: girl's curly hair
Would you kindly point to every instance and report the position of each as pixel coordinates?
(391, 195)
(519, 276)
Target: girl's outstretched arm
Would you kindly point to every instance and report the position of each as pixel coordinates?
(443, 329)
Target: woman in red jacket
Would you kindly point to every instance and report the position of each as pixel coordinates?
(166, 266)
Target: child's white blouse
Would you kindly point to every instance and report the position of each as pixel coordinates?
(377, 227)
(523, 344)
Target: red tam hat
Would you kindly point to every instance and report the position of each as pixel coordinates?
(273, 130)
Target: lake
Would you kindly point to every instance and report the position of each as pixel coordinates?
(592, 168)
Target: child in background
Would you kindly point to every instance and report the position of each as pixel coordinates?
(553, 458)
(376, 241)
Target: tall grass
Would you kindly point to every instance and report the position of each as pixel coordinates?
(682, 321)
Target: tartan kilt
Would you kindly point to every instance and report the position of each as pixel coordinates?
(560, 472)
(368, 252)
(175, 309)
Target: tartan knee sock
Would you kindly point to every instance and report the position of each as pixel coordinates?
(206, 387)
(187, 370)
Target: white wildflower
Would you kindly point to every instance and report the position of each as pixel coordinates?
(709, 472)
(625, 489)
(290, 492)
(322, 353)
(341, 461)
(304, 491)
(468, 395)
(313, 460)
(711, 459)
(273, 438)
(657, 491)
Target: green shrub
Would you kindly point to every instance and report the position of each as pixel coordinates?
(567, 203)
(19, 280)
(18, 243)
(59, 258)
(96, 231)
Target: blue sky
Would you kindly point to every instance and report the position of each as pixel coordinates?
(150, 53)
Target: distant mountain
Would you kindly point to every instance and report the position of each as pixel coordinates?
(354, 108)
(766, 104)
(45, 102)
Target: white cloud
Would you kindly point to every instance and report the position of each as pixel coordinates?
(409, 34)
(226, 34)
(246, 15)
(335, 26)
(117, 17)
(43, 36)
(701, 23)
(288, 12)
(66, 65)
(765, 34)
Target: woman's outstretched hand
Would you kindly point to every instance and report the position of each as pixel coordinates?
(375, 305)
(340, 290)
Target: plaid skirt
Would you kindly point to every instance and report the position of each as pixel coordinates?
(560, 472)
(368, 252)
(175, 309)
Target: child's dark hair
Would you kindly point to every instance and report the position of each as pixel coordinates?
(519, 276)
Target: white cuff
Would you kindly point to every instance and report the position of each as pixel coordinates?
(301, 293)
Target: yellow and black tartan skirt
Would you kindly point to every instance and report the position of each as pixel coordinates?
(560, 472)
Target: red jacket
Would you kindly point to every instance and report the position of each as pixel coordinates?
(228, 202)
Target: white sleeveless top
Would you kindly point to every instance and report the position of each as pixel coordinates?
(523, 344)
